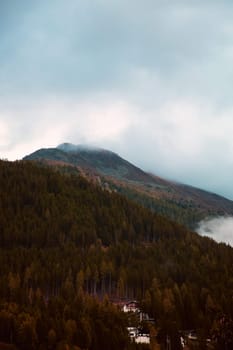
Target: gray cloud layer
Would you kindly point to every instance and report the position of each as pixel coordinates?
(150, 80)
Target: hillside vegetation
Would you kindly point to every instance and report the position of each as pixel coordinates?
(68, 247)
(183, 204)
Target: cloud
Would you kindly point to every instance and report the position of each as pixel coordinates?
(93, 121)
(98, 44)
(4, 132)
(149, 81)
(220, 229)
(186, 141)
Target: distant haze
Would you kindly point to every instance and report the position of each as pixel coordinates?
(220, 229)
(151, 81)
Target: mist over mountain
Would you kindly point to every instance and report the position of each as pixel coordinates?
(69, 147)
(98, 160)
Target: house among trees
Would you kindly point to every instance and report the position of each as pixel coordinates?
(138, 337)
(142, 339)
(131, 306)
(136, 334)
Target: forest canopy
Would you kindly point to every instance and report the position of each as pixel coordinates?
(68, 247)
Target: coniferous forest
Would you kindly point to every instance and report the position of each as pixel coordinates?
(68, 249)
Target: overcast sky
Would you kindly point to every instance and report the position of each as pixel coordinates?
(149, 79)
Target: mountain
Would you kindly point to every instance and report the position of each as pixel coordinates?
(182, 203)
(98, 160)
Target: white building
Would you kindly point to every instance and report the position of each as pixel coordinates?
(142, 339)
(131, 306)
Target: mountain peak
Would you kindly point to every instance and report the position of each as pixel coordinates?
(105, 162)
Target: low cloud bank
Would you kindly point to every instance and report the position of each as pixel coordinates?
(220, 229)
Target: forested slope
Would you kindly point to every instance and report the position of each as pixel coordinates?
(65, 244)
(183, 204)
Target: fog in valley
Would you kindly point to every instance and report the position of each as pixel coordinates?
(219, 228)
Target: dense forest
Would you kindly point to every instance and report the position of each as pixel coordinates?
(68, 248)
(181, 211)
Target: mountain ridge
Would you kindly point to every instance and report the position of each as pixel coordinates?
(180, 202)
(87, 156)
